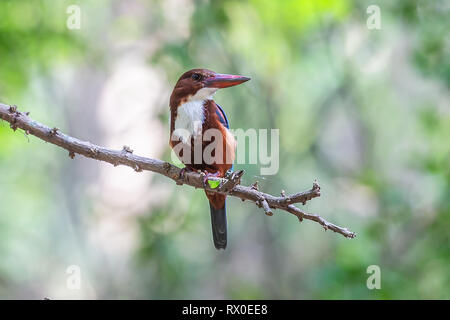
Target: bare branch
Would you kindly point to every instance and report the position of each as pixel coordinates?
(230, 186)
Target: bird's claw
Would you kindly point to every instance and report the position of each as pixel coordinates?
(205, 178)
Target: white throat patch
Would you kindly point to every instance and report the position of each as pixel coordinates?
(191, 115)
(189, 121)
(203, 94)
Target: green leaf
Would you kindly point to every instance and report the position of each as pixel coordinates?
(213, 183)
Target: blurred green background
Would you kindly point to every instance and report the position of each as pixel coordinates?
(366, 112)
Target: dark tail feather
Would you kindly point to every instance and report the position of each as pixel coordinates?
(219, 226)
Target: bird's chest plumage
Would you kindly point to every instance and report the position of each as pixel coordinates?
(204, 124)
(189, 120)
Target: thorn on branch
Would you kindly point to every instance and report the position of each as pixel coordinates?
(13, 123)
(316, 185)
(238, 175)
(71, 154)
(12, 109)
(127, 149)
(137, 168)
(316, 188)
(93, 150)
(53, 132)
(254, 186)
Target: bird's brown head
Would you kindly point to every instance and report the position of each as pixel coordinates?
(201, 84)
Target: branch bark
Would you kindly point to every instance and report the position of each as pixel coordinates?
(230, 186)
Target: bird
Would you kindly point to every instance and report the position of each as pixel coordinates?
(194, 115)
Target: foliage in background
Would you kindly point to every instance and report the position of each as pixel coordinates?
(367, 112)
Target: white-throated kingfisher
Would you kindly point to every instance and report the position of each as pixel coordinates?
(194, 118)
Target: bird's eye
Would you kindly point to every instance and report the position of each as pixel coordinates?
(196, 76)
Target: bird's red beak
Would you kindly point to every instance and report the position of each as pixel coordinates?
(224, 80)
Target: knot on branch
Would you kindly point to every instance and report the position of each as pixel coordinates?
(93, 150)
(53, 132)
(166, 167)
(16, 114)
